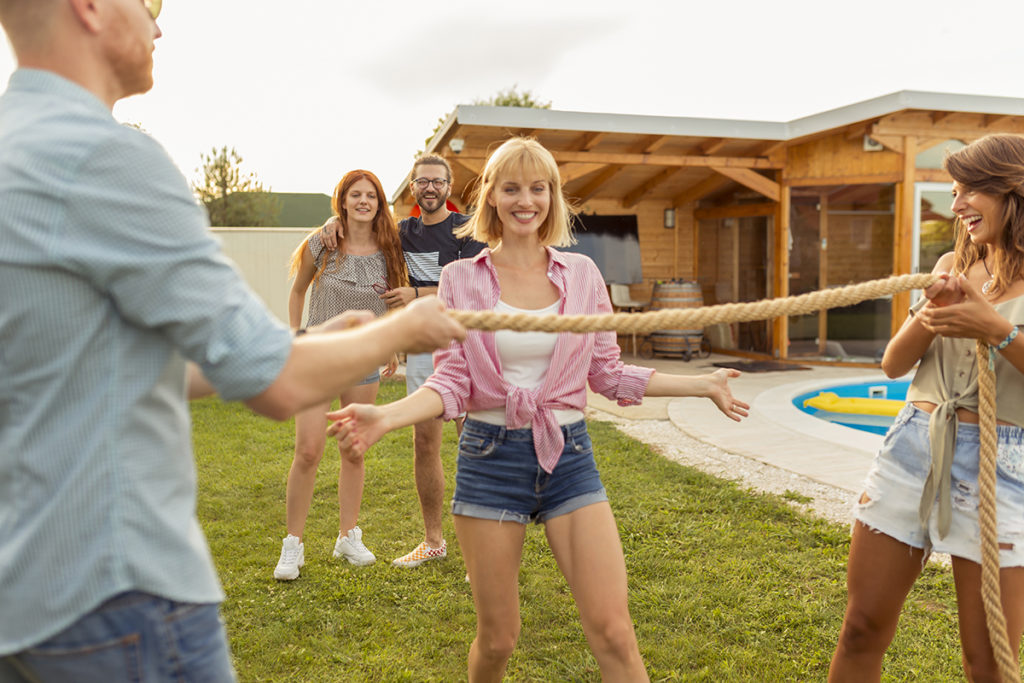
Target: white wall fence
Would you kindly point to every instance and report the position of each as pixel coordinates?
(262, 254)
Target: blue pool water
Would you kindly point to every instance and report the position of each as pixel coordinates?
(876, 424)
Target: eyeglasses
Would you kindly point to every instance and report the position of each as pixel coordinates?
(423, 183)
(154, 7)
(381, 287)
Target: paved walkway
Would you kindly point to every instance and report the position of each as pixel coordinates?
(776, 432)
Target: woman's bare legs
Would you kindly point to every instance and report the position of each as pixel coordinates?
(492, 551)
(310, 437)
(880, 572)
(978, 659)
(352, 474)
(586, 546)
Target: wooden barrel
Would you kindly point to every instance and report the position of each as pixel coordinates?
(682, 342)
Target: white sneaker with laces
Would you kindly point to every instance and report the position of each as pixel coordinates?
(292, 558)
(350, 546)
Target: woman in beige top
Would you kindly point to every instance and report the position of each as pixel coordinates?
(922, 492)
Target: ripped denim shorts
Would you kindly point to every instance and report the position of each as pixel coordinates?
(498, 476)
(892, 493)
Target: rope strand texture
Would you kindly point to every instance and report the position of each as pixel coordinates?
(991, 594)
(688, 318)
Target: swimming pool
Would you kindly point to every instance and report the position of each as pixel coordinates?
(864, 414)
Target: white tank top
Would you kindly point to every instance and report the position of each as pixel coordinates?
(525, 358)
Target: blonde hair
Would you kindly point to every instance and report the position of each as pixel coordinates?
(527, 156)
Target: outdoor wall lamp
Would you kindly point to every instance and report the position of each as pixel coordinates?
(670, 219)
(456, 145)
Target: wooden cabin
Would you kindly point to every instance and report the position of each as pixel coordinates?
(754, 209)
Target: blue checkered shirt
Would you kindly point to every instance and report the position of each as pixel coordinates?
(109, 280)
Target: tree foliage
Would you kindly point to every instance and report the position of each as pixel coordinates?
(509, 97)
(232, 197)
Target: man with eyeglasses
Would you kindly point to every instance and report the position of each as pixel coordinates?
(118, 305)
(429, 245)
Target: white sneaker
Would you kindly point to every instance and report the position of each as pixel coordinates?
(292, 557)
(350, 546)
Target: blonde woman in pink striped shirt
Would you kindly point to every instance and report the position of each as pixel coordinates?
(524, 454)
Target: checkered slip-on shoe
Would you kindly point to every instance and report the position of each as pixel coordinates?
(422, 553)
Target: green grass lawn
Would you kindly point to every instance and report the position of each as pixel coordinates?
(725, 584)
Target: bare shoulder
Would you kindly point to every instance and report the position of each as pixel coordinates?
(945, 263)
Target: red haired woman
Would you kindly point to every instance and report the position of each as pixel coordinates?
(367, 264)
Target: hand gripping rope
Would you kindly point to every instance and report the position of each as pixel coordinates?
(689, 318)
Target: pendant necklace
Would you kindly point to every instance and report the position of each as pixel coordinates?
(987, 287)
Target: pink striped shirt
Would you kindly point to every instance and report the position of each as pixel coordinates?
(468, 375)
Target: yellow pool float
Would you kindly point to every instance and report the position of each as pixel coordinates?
(830, 402)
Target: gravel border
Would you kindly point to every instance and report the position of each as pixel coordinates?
(828, 502)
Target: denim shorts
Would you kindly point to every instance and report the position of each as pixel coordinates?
(418, 367)
(131, 637)
(897, 478)
(371, 378)
(499, 478)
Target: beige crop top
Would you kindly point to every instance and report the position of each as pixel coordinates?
(948, 377)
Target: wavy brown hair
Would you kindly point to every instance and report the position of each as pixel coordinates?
(384, 229)
(993, 165)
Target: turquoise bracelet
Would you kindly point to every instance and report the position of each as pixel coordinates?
(1009, 338)
(999, 347)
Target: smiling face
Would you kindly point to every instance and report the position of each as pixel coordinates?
(361, 202)
(521, 199)
(981, 214)
(430, 197)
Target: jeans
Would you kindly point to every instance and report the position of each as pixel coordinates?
(131, 637)
(498, 476)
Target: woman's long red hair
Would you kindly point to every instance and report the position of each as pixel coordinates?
(385, 231)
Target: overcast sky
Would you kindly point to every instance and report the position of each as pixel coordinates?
(308, 89)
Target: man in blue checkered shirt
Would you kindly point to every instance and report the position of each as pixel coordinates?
(117, 306)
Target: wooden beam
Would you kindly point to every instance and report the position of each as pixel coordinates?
(780, 255)
(592, 187)
(703, 188)
(649, 144)
(765, 149)
(712, 145)
(661, 160)
(588, 140)
(628, 159)
(524, 132)
(964, 134)
(903, 244)
(573, 171)
(737, 211)
(474, 166)
(938, 116)
(641, 190)
(822, 268)
(993, 120)
(755, 181)
(932, 175)
(847, 180)
(893, 143)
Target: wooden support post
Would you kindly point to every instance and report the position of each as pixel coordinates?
(822, 268)
(903, 242)
(780, 326)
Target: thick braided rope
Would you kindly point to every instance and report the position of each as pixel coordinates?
(689, 318)
(990, 590)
